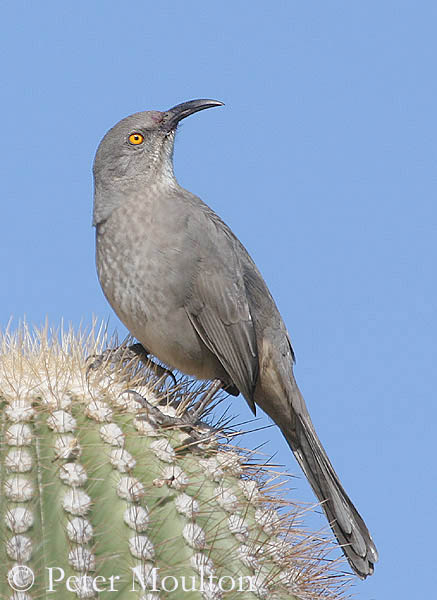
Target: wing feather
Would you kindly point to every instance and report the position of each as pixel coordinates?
(220, 313)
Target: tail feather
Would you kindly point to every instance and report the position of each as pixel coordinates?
(344, 519)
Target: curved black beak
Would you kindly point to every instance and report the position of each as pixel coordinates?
(180, 111)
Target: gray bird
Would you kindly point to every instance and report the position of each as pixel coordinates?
(187, 289)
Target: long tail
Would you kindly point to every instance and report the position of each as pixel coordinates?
(344, 519)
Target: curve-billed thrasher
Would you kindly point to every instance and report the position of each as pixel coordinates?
(187, 289)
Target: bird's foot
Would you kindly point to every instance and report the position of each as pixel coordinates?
(197, 433)
(123, 356)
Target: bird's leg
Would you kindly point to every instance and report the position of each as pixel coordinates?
(144, 355)
(115, 356)
(206, 399)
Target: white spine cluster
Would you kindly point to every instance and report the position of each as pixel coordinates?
(268, 519)
(122, 460)
(195, 538)
(136, 517)
(174, 477)
(112, 434)
(18, 487)
(212, 469)
(80, 530)
(99, 411)
(187, 506)
(163, 450)
(75, 500)
(129, 488)
(226, 498)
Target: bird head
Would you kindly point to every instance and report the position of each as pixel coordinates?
(141, 145)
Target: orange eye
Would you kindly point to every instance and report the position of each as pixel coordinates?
(136, 138)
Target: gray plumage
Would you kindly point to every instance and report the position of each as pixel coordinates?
(187, 289)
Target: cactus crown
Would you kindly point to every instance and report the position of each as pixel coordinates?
(109, 488)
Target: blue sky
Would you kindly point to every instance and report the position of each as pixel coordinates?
(323, 162)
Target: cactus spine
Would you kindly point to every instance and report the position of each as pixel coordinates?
(105, 495)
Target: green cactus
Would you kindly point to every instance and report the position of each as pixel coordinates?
(109, 489)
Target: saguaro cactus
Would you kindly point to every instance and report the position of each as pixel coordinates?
(110, 488)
